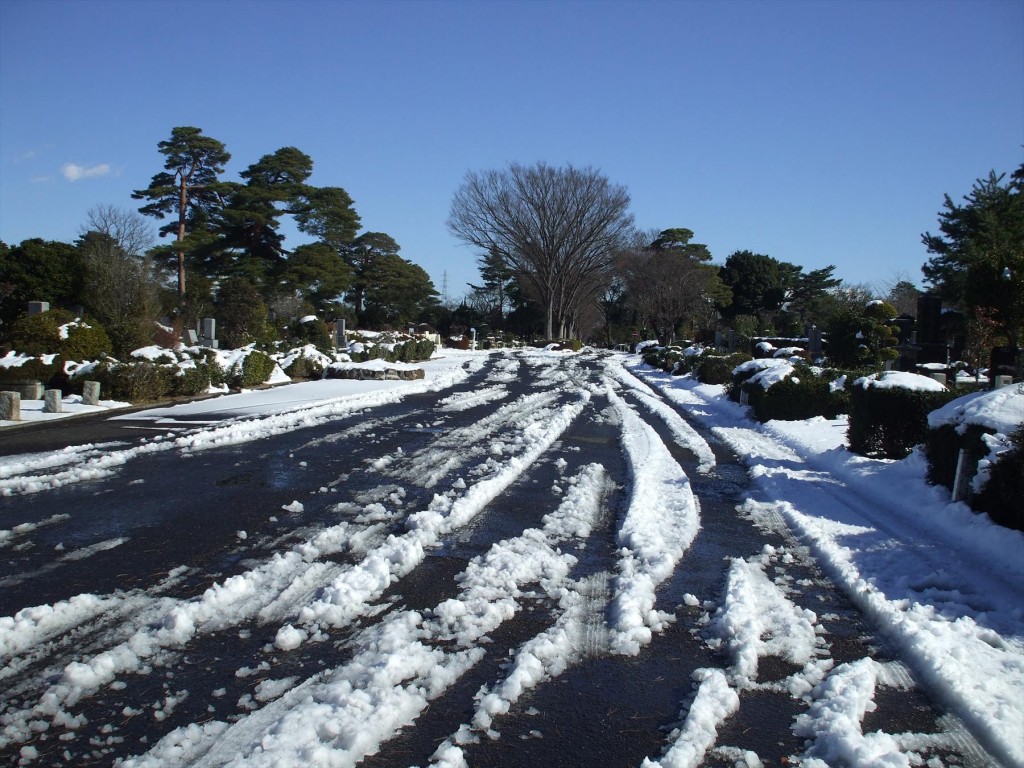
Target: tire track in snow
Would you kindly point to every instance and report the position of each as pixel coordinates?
(403, 662)
(685, 435)
(659, 525)
(905, 613)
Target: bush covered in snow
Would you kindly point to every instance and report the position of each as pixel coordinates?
(252, 370)
(889, 413)
(988, 427)
(664, 358)
(717, 369)
(154, 373)
(1001, 495)
(311, 330)
(789, 391)
(306, 362)
(397, 350)
(41, 345)
(58, 331)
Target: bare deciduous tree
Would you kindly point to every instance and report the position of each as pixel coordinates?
(557, 229)
(121, 290)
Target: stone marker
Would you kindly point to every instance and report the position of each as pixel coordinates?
(90, 393)
(52, 402)
(10, 406)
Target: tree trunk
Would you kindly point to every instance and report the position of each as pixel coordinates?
(182, 208)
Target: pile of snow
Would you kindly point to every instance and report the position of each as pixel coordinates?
(899, 380)
(1001, 410)
(767, 370)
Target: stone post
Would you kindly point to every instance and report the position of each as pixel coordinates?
(91, 393)
(10, 406)
(52, 402)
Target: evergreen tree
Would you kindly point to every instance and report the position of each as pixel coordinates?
(758, 285)
(979, 255)
(38, 270)
(241, 313)
(189, 187)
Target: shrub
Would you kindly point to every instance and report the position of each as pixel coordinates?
(803, 394)
(195, 380)
(1000, 497)
(41, 334)
(942, 447)
(311, 331)
(717, 369)
(887, 422)
(408, 351)
(40, 368)
(139, 381)
(254, 370)
(303, 367)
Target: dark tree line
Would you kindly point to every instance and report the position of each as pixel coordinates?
(228, 229)
(227, 257)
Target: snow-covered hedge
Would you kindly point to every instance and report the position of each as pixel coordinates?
(777, 388)
(987, 426)
(889, 412)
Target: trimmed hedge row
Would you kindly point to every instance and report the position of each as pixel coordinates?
(1000, 497)
(707, 366)
(143, 381)
(887, 422)
(406, 352)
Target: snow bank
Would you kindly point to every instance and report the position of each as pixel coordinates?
(899, 380)
(1001, 410)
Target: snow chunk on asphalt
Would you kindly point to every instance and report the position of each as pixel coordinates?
(714, 702)
(834, 719)
(758, 620)
(289, 638)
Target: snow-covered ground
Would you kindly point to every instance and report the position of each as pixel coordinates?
(943, 585)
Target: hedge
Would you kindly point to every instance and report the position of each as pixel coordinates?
(717, 369)
(139, 381)
(406, 352)
(40, 334)
(1001, 496)
(255, 369)
(887, 422)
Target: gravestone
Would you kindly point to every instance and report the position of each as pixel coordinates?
(815, 345)
(37, 307)
(209, 327)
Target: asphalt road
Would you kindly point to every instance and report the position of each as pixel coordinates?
(152, 539)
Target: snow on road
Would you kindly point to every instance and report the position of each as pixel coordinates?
(944, 586)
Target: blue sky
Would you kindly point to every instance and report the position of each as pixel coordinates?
(819, 132)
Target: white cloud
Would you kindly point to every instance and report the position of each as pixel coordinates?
(74, 172)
